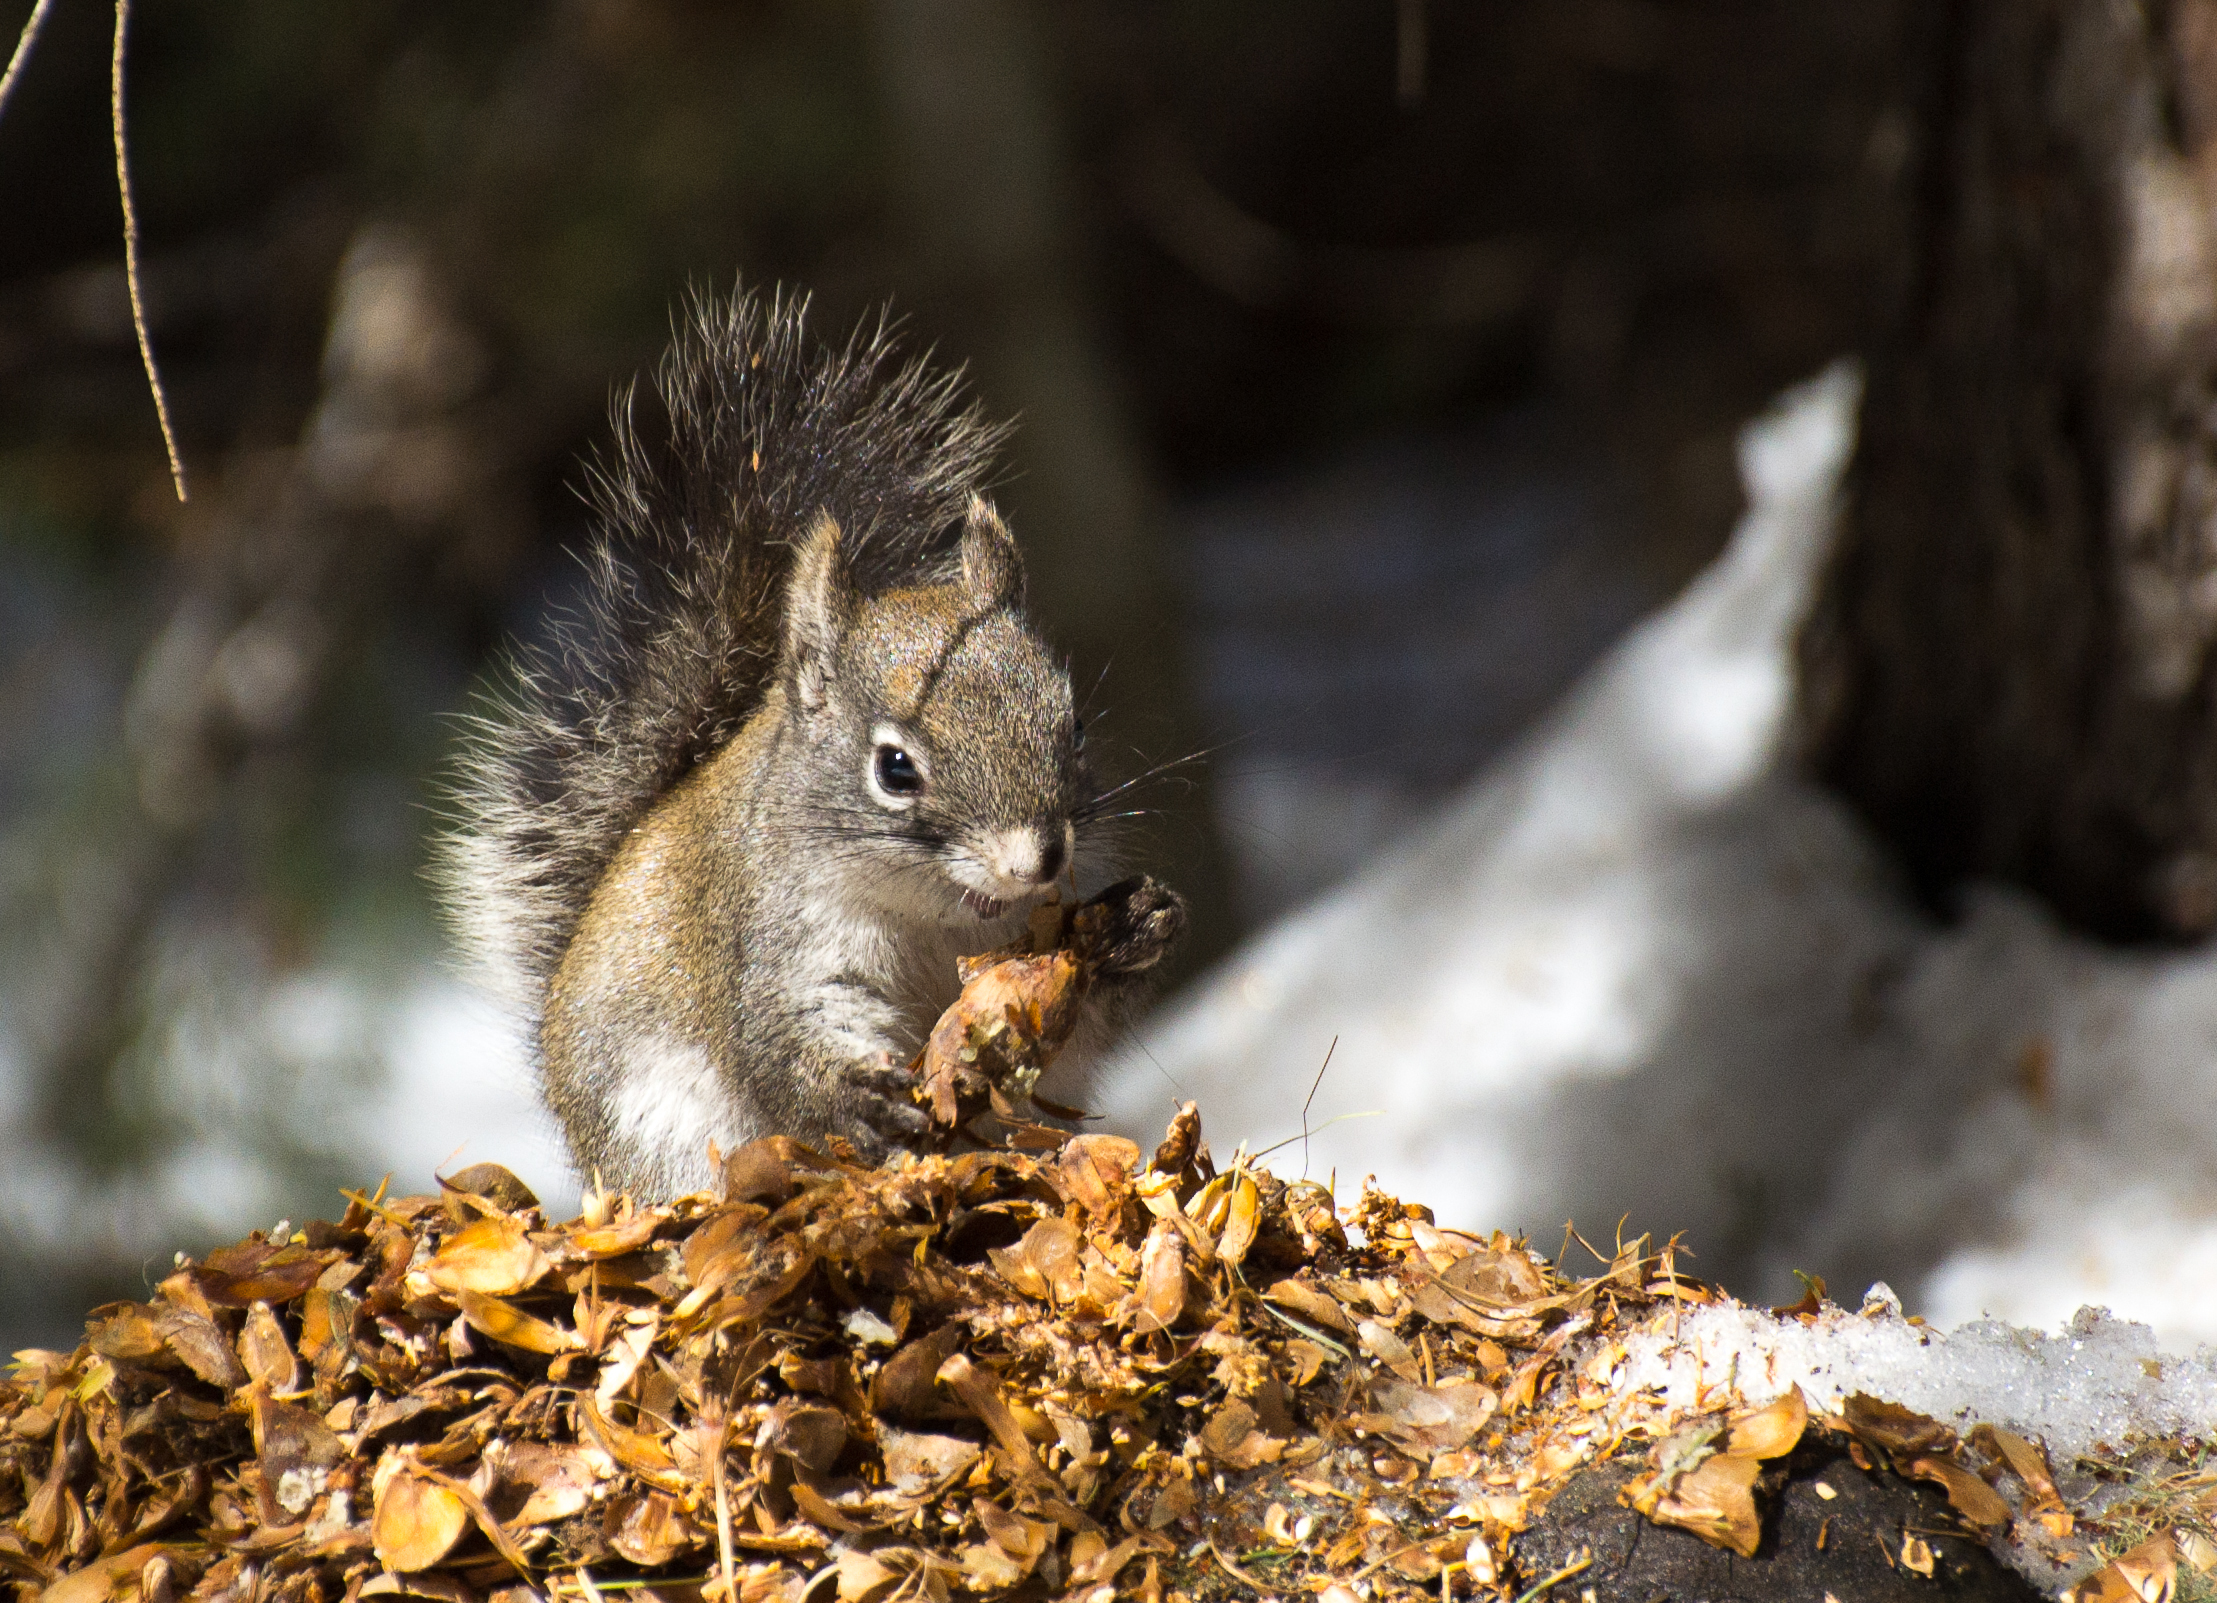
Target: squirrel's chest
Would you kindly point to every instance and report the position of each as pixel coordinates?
(876, 976)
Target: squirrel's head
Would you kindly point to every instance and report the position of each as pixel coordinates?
(939, 728)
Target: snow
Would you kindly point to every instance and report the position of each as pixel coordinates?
(455, 1064)
(1639, 970)
(409, 1073)
(2100, 1380)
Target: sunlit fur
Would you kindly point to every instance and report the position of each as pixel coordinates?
(670, 849)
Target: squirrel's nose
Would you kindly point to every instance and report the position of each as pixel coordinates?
(1033, 853)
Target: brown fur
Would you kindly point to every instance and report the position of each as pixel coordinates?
(807, 751)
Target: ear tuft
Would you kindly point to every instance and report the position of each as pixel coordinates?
(819, 604)
(992, 567)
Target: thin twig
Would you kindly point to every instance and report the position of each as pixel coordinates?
(1233, 1570)
(723, 1510)
(23, 44)
(1337, 1118)
(131, 249)
(1592, 1251)
(1378, 1564)
(1541, 1588)
(723, 1534)
(1311, 1097)
(1307, 1330)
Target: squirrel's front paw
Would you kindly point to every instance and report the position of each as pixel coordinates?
(882, 1114)
(1140, 919)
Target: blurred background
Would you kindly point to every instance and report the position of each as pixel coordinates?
(1380, 365)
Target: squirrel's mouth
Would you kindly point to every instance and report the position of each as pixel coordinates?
(982, 905)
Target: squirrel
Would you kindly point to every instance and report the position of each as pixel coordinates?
(723, 839)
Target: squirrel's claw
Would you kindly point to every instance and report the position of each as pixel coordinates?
(882, 1116)
(1143, 920)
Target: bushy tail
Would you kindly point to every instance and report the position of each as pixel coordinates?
(679, 635)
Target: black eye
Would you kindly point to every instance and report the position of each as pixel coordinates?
(897, 772)
(1077, 734)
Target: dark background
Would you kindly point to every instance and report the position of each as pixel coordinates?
(1376, 364)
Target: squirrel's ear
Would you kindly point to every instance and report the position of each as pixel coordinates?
(819, 603)
(992, 567)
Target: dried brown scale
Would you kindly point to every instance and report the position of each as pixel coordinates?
(955, 1377)
(411, 1377)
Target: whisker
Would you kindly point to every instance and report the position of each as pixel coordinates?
(1099, 679)
(1166, 770)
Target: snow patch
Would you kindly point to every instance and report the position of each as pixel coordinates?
(1641, 970)
(459, 1089)
(410, 1074)
(2099, 1380)
(1517, 990)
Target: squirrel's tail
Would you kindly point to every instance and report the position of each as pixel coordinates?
(678, 634)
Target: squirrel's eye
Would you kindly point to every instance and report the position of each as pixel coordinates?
(897, 773)
(1077, 734)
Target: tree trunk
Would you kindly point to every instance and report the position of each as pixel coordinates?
(2009, 666)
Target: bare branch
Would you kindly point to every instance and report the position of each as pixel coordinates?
(1412, 44)
(23, 44)
(131, 247)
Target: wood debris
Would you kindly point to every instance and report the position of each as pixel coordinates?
(1704, 1477)
(1021, 1003)
(1056, 1368)
(997, 1373)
